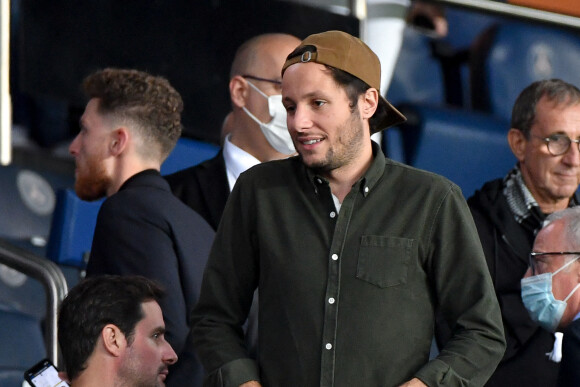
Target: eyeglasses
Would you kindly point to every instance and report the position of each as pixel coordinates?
(533, 255)
(558, 144)
(274, 81)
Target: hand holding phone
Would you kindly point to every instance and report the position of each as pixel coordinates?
(44, 374)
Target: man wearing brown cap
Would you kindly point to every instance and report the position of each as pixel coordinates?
(352, 252)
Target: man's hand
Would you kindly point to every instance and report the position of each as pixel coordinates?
(251, 383)
(413, 383)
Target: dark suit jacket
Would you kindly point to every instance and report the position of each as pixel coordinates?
(203, 187)
(569, 375)
(143, 229)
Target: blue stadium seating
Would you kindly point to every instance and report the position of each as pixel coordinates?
(468, 148)
(511, 55)
(72, 229)
(186, 153)
(27, 201)
(465, 26)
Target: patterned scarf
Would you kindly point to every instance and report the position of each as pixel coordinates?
(526, 210)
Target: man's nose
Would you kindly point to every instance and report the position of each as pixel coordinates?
(572, 155)
(170, 357)
(73, 147)
(302, 119)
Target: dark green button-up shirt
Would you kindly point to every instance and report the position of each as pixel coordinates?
(347, 298)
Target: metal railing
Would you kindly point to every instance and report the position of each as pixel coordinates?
(52, 279)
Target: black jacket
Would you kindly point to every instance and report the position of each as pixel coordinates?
(506, 245)
(203, 187)
(570, 371)
(143, 229)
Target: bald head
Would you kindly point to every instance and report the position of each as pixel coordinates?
(263, 55)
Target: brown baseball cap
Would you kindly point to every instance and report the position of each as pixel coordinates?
(347, 53)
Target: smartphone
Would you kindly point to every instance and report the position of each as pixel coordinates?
(44, 374)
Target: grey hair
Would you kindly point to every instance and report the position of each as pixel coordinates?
(571, 217)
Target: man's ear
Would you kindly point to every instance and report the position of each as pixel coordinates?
(113, 339)
(238, 90)
(517, 141)
(118, 141)
(369, 103)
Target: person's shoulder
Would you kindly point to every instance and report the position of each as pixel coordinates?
(147, 193)
(272, 169)
(489, 193)
(195, 171)
(406, 174)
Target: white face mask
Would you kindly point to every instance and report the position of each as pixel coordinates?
(275, 131)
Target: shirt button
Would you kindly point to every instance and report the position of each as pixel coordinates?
(331, 300)
(328, 346)
(319, 181)
(334, 257)
(367, 189)
(332, 214)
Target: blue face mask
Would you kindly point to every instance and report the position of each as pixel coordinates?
(539, 300)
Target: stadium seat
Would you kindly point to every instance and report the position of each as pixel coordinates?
(72, 229)
(27, 201)
(186, 153)
(511, 55)
(468, 148)
(466, 25)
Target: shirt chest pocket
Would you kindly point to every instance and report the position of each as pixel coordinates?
(384, 261)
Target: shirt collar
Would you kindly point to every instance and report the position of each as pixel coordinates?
(369, 179)
(137, 176)
(237, 161)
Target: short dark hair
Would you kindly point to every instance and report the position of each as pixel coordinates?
(94, 303)
(354, 88)
(146, 100)
(555, 90)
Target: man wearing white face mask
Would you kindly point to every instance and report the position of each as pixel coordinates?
(550, 287)
(275, 131)
(255, 130)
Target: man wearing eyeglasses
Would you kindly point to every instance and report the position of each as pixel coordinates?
(549, 289)
(255, 130)
(508, 212)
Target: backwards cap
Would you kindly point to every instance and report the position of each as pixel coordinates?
(350, 54)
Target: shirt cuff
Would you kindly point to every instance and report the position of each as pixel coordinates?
(439, 373)
(233, 374)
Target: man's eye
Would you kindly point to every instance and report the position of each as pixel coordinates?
(319, 103)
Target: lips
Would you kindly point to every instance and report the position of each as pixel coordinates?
(309, 140)
(163, 373)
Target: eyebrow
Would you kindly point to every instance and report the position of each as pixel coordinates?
(312, 94)
(159, 329)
